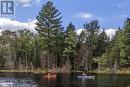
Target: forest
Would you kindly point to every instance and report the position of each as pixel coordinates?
(54, 46)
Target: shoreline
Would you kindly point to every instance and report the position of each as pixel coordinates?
(122, 71)
(23, 71)
(42, 71)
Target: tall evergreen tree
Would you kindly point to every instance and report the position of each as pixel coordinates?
(25, 43)
(126, 41)
(70, 44)
(37, 52)
(103, 41)
(81, 50)
(2, 60)
(91, 32)
(48, 27)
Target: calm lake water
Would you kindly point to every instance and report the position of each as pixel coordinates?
(62, 80)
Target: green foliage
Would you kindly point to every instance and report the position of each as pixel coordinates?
(91, 40)
(70, 43)
(119, 48)
(2, 60)
(48, 22)
(102, 43)
(90, 49)
(70, 40)
(50, 30)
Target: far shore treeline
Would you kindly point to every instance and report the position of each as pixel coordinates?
(59, 47)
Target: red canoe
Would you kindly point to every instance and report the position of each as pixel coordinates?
(50, 76)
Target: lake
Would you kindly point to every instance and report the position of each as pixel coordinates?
(62, 80)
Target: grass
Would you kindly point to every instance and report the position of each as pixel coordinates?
(108, 71)
(36, 71)
(31, 71)
(105, 71)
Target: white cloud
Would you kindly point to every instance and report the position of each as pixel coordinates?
(79, 31)
(110, 32)
(37, 1)
(24, 3)
(8, 24)
(27, 3)
(84, 15)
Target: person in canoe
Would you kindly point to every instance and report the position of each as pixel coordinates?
(50, 75)
(83, 74)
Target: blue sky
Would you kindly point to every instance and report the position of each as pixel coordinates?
(110, 13)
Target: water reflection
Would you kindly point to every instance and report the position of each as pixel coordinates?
(112, 80)
(13, 82)
(83, 82)
(62, 80)
(59, 80)
(17, 80)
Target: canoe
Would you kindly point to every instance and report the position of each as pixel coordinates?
(86, 77)
(53, 76)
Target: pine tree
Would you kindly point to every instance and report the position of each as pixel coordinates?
(2, 60)
(36, 55)
(58, 46)
(48, 27)
(70, 44)
(24, 48)
(81, 50)
(126, 41)
(91, 32)
(103, 41)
